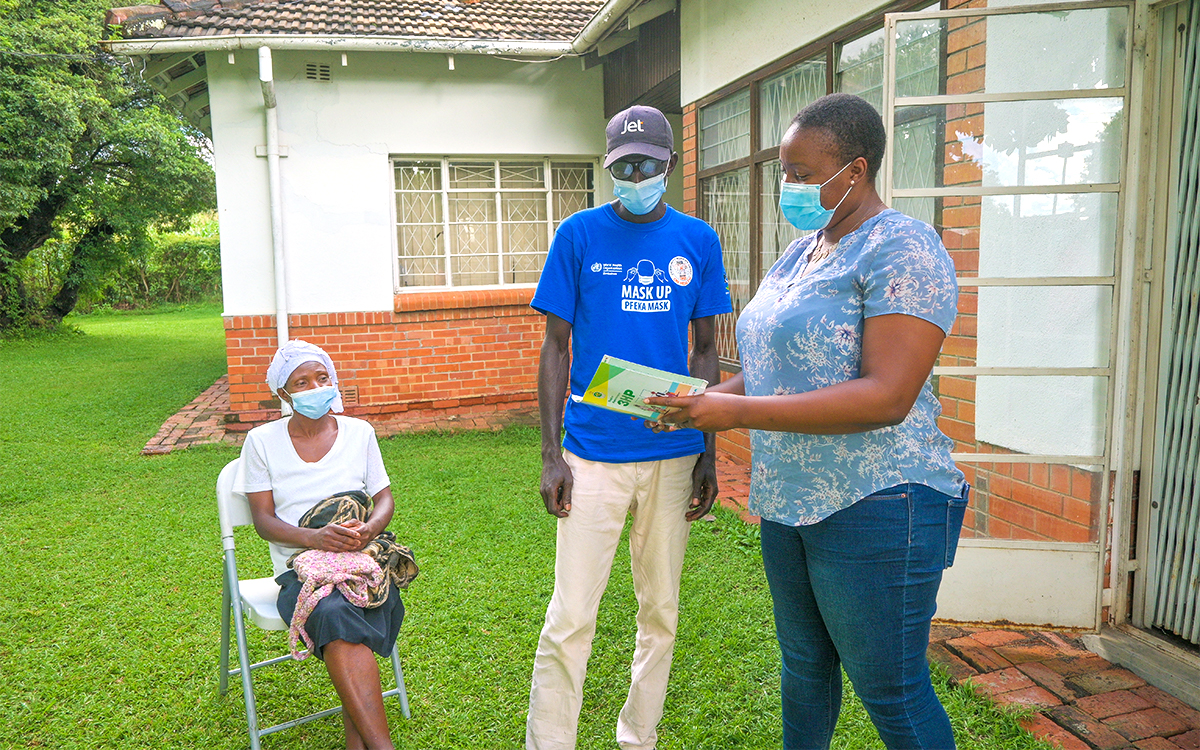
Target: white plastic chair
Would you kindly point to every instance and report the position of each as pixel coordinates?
(256, 600)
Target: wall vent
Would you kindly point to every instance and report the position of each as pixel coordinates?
(316, 71)
(349, 394)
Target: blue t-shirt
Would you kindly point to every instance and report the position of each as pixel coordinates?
(803, 331)
(629, 290)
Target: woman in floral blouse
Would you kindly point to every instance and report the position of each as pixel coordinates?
(861, 504)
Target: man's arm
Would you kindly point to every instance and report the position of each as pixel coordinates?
(554, 373)
(704, 364)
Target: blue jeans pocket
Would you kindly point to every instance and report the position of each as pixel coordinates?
(956, 508)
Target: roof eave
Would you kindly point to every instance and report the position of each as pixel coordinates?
(315, 42)
(605, 18)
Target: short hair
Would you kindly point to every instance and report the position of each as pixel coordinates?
(852, 123)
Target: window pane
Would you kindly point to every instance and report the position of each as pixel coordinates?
(918, 50)
(573, 189)
(727, 208)
(1056, 326)
(1042, 235)
(1031, 414)
(725, 130)
(526, 237)
(466, 175)
(777, 233)
(860, 68)
(785, 94)
(419, 223)
(1026, 51)
(516, 175)
(473, 251)
(1056, 142)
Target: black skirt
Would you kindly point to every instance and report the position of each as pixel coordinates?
(334, 618)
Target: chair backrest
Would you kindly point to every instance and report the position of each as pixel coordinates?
(233, 509)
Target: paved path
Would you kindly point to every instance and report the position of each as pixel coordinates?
(1083, 702)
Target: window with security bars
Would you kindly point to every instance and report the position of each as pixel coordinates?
(739, 161)
(482, 222)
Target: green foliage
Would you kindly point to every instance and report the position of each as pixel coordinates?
(109, 633)
(90, 158)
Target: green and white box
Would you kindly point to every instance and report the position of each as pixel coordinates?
(622, 387)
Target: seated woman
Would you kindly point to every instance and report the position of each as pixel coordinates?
(289, 466)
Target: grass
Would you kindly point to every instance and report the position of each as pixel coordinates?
(109, 621)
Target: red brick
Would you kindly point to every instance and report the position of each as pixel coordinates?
(1049, 679)
(1035, 697)
(1045, 729)
(1170, 704)
(1105, 681)
(996, 638)
(1070, 665)
(956, 668)
(1117, 702)
(1188, 740)
(1002, 681)
(1155, 743)
(1019, 653)
(1087, 728)
(1152, 722)
(976, 654)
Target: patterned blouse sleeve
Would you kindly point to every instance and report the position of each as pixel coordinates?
(911, 274)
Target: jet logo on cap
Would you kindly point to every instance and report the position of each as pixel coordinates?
(633, 125)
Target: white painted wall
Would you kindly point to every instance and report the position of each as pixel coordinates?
(723, 40)
(337, 186)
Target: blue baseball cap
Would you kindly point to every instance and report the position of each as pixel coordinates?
(639, 130)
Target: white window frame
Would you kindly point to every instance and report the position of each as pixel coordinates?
(445, 161)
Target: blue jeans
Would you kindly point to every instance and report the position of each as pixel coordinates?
(858, 590)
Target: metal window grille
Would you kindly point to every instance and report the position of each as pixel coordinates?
(482, 222)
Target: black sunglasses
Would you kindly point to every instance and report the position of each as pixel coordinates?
(623, 170)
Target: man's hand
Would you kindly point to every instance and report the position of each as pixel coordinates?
(556, 485)
(704, 486)
(335, 538)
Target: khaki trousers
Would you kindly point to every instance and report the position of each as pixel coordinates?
(657, 494)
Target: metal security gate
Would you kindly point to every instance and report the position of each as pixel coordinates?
(1173, 576)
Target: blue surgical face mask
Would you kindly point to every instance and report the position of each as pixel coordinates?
(640, 198)
(315, 402)
(801, 204)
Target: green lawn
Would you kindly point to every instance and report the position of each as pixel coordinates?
(109, 623)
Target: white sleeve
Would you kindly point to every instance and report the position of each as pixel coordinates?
(256, 475)
(377, 477)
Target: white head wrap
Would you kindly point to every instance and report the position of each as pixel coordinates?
(290, 356)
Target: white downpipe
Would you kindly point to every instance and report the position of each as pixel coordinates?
(266, 78)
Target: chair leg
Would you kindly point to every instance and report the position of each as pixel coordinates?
(239, 622)
(399, 673)
(223, 685)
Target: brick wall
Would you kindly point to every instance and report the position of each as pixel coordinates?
(453, 354)
(1010, 501)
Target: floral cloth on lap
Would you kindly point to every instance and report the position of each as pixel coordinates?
(320, 572)
(803, 331)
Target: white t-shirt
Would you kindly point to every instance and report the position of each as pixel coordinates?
(270, 462)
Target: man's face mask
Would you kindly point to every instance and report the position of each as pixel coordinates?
(640, 198)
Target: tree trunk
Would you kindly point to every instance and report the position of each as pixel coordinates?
(68, 294)
(32, 230)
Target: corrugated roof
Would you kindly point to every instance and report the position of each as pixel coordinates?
(541, 20)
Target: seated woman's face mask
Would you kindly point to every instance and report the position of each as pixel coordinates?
(315, 402)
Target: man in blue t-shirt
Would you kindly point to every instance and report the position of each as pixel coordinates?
(625, 279)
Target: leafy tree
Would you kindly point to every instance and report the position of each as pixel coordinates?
(90, 155)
